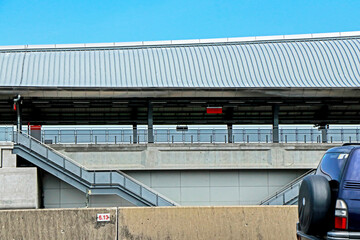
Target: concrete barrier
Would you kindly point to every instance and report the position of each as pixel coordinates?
(57, 224)
(195, 156)
(274, 222)
(242, 222)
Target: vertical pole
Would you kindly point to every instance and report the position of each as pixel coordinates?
(150, 123)
(275, 111)
(229, 129)
(18, 116)
(135, 137)
(323, 129)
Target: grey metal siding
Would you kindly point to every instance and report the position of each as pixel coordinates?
(318, 63)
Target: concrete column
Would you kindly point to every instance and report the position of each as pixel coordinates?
(135, 135)
(323, 129)
(150, 124)
(275, 111)
(230, 133)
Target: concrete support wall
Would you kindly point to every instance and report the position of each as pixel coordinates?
(7, 159)
(152, 223)
(18, 186)
(193, 156)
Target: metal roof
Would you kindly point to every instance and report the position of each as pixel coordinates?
(295, 61)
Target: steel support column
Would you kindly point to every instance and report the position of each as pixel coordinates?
(135, 134)
(275, 127)
(17, 108)
(230, 133)
(323, 129)
(150, 123)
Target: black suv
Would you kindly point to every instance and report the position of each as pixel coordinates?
(329, 201)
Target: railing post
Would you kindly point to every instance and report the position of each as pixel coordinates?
(168, 135)
(110, 177)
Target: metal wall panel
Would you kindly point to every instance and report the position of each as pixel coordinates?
(315, 63)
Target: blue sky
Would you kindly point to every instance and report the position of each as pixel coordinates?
(77, 21)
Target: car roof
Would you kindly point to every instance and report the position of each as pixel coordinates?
(343, 149)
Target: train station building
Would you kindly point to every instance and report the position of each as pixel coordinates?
(276, 80)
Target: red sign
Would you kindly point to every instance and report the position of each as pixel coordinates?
(214, 110)
(35, 127)
(103, 217)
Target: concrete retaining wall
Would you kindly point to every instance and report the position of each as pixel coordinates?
(275, 222)
(195, 156)
(64, 224)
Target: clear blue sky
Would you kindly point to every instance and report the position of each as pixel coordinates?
(77, 21)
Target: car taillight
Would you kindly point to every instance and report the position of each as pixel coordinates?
(341, 214)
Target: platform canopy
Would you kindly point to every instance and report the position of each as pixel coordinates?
(307, 75)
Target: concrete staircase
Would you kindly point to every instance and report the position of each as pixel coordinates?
(88, 181)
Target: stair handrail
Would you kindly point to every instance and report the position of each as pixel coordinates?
(89, 170)
(49, 148)
(287, 186)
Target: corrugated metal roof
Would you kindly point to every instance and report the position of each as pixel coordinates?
(332, 62)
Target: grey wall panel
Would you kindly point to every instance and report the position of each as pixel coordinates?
(199, 188)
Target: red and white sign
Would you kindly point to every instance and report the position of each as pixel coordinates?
(103, 217)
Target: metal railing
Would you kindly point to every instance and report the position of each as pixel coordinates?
(200, 135)
(288, 194)
(93, 178)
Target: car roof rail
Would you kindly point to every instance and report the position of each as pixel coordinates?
(349, 144)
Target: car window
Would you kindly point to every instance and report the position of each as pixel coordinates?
(332, 165)
(353, 170)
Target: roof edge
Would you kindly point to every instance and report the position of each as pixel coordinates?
(311, 36)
